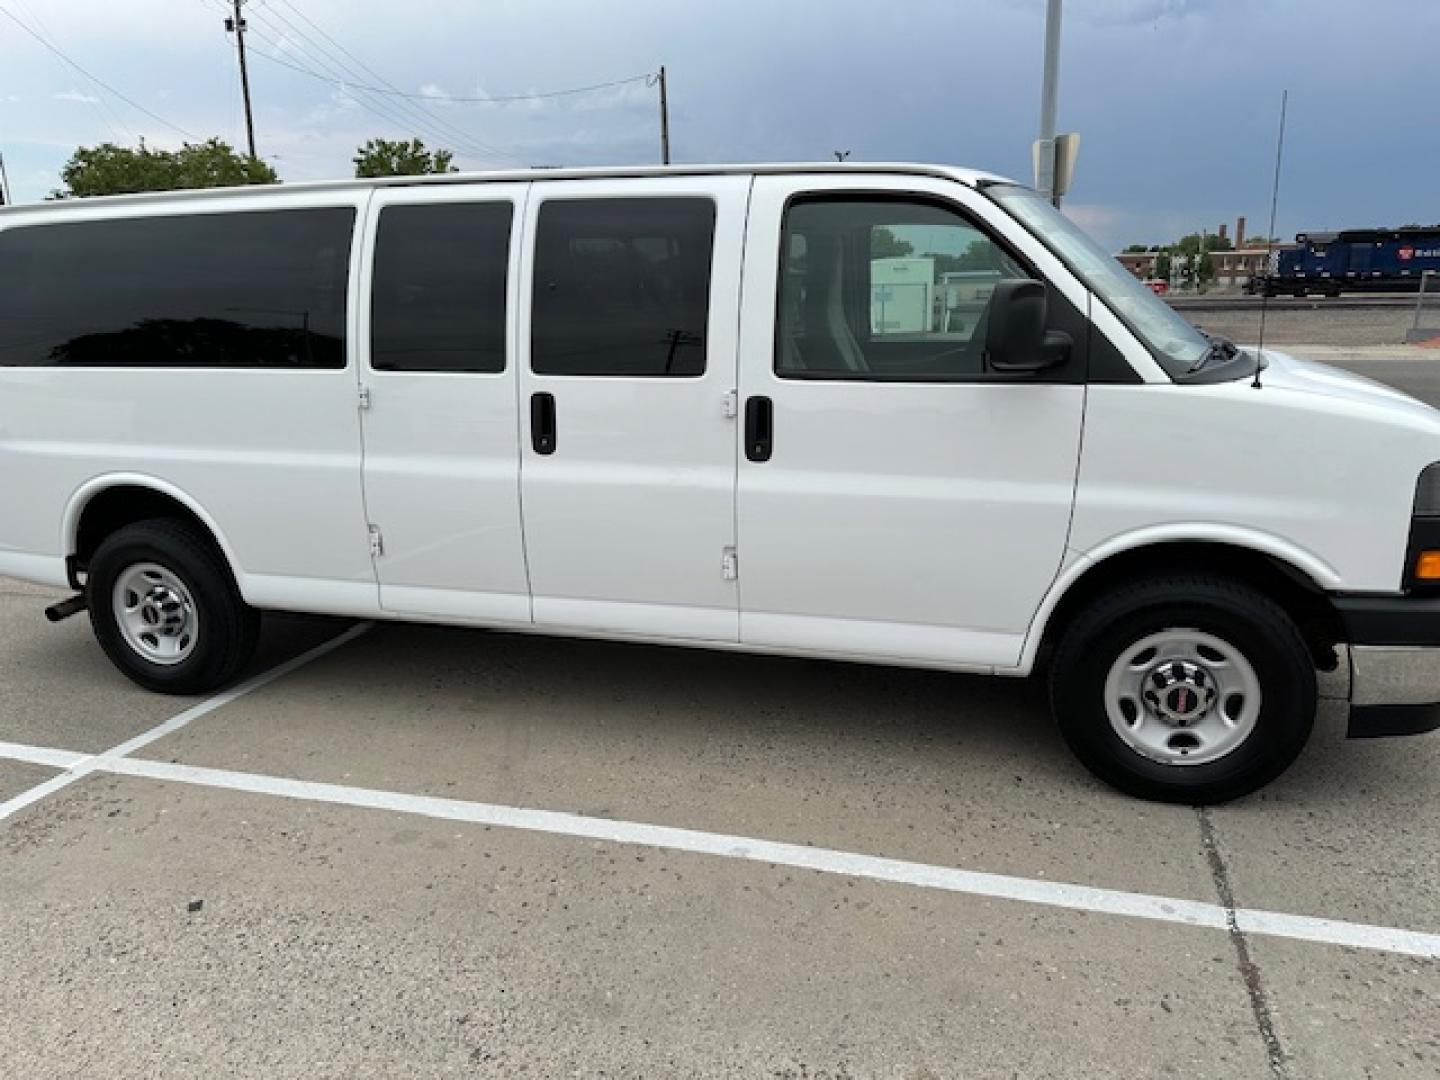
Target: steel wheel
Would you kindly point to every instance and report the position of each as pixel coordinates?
(156, 614)
(1182, 697)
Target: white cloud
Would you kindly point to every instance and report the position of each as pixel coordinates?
(72, 95)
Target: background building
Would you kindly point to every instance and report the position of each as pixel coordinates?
(1233, 263)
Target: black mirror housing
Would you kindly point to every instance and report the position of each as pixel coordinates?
(1016, 339)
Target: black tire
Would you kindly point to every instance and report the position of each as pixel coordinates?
(227, 628)
(1249, 622)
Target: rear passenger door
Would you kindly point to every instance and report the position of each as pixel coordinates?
(629, 447)
(442, 467)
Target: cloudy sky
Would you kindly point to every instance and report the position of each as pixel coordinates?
(1176, 100)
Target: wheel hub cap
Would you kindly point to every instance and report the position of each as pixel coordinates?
(155, 613)
(1179, 692)
(1182, 697)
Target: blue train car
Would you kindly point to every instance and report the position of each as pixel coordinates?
(1355, 260)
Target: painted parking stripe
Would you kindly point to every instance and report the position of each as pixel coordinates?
(78, 766)
(1053, 894)
(219, 701)
(42, 755)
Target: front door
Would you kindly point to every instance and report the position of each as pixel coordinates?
(897, 497)
(628, 455)
(441, 435)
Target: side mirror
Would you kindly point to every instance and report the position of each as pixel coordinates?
(1016, 339)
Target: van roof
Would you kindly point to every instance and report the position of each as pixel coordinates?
(969, 177)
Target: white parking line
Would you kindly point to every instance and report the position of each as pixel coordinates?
(77, 766)
(42, 755)
(1071, 897)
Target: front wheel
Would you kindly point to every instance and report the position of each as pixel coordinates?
(1184, 689)
(165, 608)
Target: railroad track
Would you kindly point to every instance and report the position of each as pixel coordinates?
(1241, 302)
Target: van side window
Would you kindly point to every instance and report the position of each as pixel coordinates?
(876, 289)
(250, 289)
(622, 286)
(438, 299)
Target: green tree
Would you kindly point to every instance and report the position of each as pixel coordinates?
(108, 169)
(1136, 249)
(980, 256)
(1190, 243)
(1163, 267)
(884, 245)
(384, 157)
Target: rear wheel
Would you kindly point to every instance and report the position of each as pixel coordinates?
(1184, 689)
(165, 608)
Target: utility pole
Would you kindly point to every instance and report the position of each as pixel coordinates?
(236, 25)
(1049, 95)
(664, 121)
(4, 183)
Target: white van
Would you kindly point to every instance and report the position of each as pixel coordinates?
(657, 405)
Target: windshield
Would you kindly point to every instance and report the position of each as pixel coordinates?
(1177, 345)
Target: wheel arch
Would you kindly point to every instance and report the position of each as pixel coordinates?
(106, 503)
(1295, 579)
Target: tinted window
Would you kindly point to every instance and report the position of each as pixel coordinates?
(262, 289)
(876, 289)
(622, 286)
(439, 292)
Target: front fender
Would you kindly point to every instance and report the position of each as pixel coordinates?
(1079, 563)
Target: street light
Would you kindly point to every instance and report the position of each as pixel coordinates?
(1054, 155)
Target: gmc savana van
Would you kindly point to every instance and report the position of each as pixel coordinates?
(899, 414)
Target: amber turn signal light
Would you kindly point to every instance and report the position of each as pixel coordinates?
(1427, 566)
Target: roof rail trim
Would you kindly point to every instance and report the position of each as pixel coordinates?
(970, 177)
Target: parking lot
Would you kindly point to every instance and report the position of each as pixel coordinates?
(407, 850)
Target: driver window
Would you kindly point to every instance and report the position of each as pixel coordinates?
(875, 289)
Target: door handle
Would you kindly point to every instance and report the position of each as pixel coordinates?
(542, 423)
(759, 428)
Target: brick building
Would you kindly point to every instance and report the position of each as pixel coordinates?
(1232, 268)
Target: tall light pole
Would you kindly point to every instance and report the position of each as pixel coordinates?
(1049, 95)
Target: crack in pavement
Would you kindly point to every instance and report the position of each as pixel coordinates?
(1249, 970)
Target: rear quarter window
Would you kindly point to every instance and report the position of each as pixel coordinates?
(254, 289)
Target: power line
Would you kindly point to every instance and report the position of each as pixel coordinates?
(98, 82)
(387, 112)
(349, 64)
(459, 99)
(108, 116)
(388, 89)
(342, 73)
(377, 108)
(392, 89)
